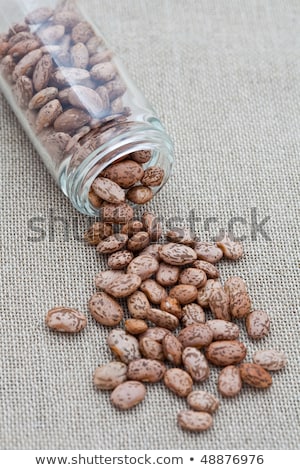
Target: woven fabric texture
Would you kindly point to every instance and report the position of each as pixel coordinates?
(224, 77)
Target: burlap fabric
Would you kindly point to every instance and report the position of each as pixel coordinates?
(224, 77)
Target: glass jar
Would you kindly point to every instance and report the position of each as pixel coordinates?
(76, 101)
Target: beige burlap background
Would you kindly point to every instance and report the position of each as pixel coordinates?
(224, 77)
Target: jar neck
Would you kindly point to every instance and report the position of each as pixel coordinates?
(131, 137)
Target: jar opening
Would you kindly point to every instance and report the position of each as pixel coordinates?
(132, 137)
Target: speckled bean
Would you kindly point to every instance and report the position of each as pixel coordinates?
(109, 376)
(195, 363)
(172, 349)
(178, 381)
(128, 394)
(200, 400)
(270, 359)
(229, 381)
(124, 346)
(146, 370)
(225, 353)
(197, 336)
(105, 310)
(195, 421)
(258, 324)
(162, 319)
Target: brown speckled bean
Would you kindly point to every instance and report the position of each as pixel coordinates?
(219, 303)
(184, 293)
(191, 314)
(124, 346)
(181, 235)
(235, 283)
(195, 363)
(225, 353)
(70, 120)
(48, 114)
(128, 394)
(154, 291)
(116, 213)
(178, 381)
(172, 349)
(124, 285)
(258, 324)
(153, 176)
(209, 252)
(87, 99)
(231, 249)
(167, 275)
(255, 375)
(162, 319)
(43, 97)
(64, 76)
(270, 359)
(141, 156)
(82, 32)
(156, 333)
(66, 17)
(177, 254)
(151, 349)
(197, 336)
(125, 173)
(139, 194)
(195, 421)
(105, 278)
(109, 376)
(138, 241)
(112, 243)
(42, 72)
(146, 370)
(105, 310)
(119, 259)
(21, 48)
(171, 305)
(210, 270)
(193, 276)
(138, 305)
(240, 303)
(97, 232)
(229, 381)
(223, 329)
(22, 36)
(204, 292)
(108, 190)
(79, 56)
(144, 266)
(132, 227)
(39, 15)
(200, 400)
(65, 320)
(135, 326)
(103, 72)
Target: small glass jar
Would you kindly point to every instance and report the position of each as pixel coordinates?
(75, 99)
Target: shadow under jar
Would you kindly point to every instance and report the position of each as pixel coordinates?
(79, 107)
